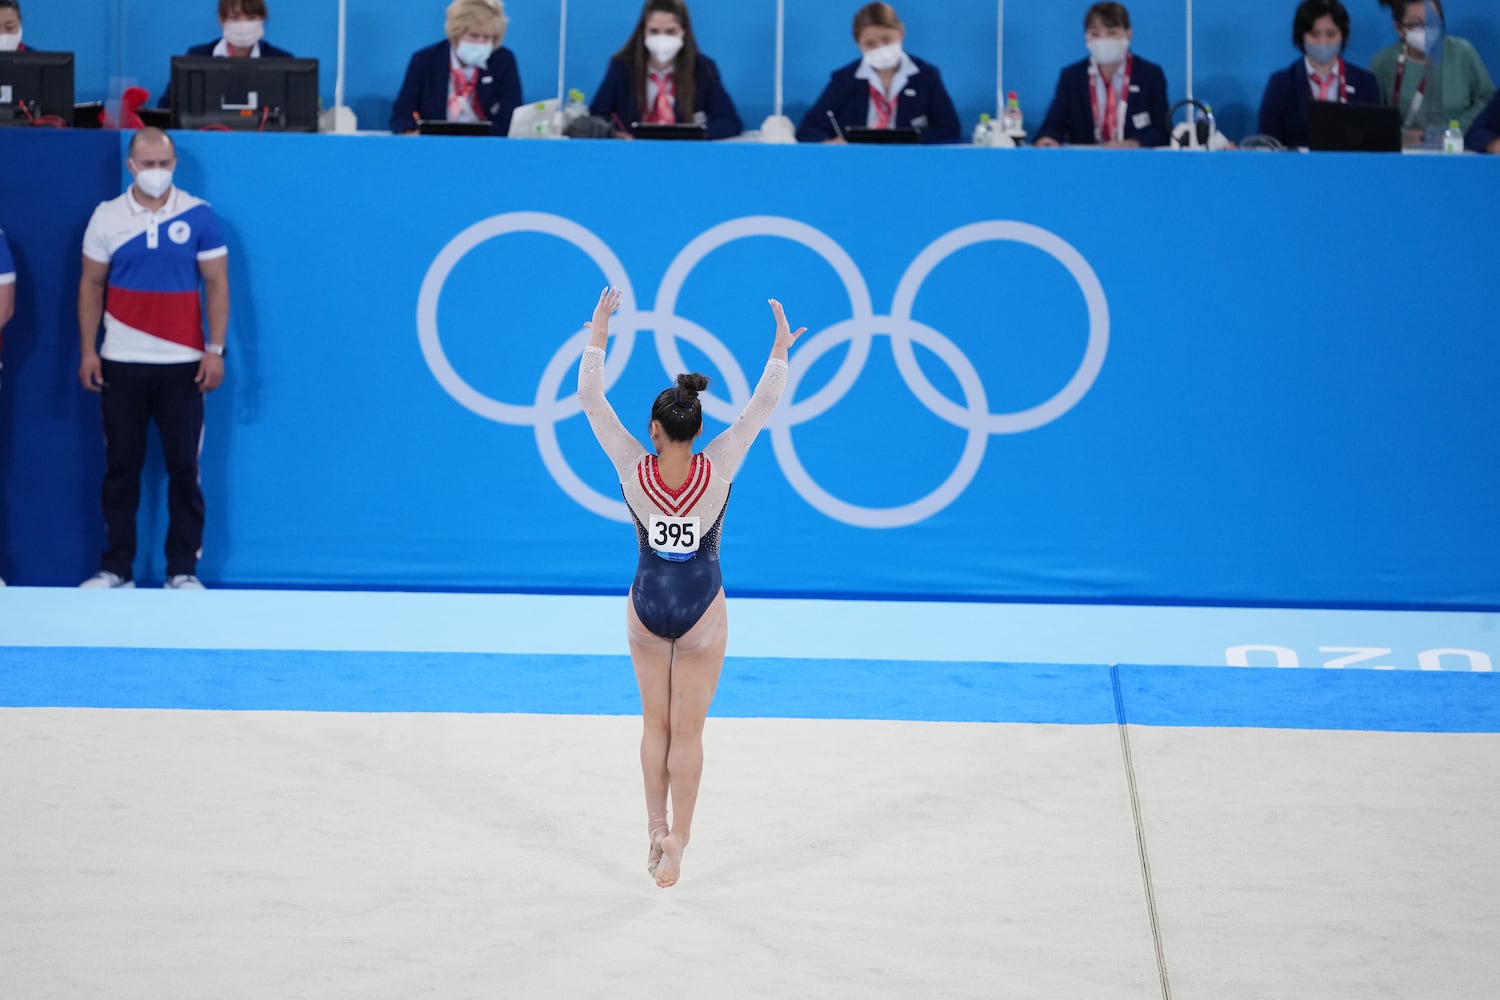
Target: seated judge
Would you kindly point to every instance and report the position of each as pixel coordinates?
(469, 77)
(1113, 98)
(243, 23)
(1402, 70)
(1320, 30)
(1484, 135)
(660, 77)
(10, 26)
(886, 87)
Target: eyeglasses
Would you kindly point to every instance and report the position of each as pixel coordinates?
(1413, 25)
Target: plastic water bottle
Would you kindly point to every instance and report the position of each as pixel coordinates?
(1011, 121)
(984, 132)
(1453, 139)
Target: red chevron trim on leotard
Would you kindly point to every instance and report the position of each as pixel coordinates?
(681, 500)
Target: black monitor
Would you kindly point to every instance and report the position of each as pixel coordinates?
(249, 95)
(437, 126)
(885, 136)
(36, 88)
(1359, 128)
(668, 130)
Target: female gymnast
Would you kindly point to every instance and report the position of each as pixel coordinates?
(675, 619)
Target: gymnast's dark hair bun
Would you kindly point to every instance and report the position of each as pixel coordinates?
(678, 410)
(689, 385)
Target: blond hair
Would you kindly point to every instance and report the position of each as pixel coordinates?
(875, 15)
(483, 17)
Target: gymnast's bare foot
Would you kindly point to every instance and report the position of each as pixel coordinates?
(653, 856)
(670, 865)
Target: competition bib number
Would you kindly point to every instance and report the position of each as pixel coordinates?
(674, 538)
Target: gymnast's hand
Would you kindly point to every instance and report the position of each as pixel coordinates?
(598, 327)
(785, 335)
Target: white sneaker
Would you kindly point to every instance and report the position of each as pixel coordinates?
(104, 579)
(183, 581)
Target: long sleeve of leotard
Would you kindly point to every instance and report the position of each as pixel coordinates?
(727, 451)
(620, 445)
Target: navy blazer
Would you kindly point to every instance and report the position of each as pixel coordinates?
(424, 92)
(1283, 107)
(267, 51)
(1070, 118)
(1486, 128)
(616, 96)
(924, 96)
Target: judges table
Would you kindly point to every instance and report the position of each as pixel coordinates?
(1062, 375)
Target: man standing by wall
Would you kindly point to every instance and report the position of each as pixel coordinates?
(145, 252)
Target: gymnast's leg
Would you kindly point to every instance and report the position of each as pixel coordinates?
(697, 661)
(652, 657)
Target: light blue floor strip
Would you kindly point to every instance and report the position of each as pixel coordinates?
(869, 630)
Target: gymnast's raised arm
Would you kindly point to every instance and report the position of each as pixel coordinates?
(619, 444)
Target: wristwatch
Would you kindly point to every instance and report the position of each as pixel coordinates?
(218, 349)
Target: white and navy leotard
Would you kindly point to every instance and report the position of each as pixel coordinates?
(677, 576)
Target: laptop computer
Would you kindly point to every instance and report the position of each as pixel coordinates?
(1353, 128)
(437, 126)
(642, 130)
(889, 136)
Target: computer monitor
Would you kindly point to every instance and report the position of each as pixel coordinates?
(36, 88)
(250, 95)
(1357, 128)
(437, 126)
(668, 130)
(903, 136)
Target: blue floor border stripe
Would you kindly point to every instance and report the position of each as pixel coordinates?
(751, 687)
(1269, 698)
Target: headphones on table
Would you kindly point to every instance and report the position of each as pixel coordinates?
(1199, 134)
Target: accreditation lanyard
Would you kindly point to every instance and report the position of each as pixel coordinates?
(1416, 101)
(885, 107)
(465, 90)
(1333, 81)
(1109, 124)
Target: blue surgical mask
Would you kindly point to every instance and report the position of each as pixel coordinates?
(1324, 54)
(474, 53)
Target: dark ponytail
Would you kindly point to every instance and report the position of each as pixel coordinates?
(678, 410)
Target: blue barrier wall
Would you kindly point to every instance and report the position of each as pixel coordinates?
(1019, 385)
(1237, 46)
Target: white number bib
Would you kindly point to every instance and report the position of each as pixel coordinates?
(674, 538)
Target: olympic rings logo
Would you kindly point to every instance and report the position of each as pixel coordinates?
(547, 409)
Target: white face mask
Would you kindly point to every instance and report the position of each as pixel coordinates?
(474, 53)
(885, 57)
(244, 34)
(664, 48)
(154, 182)
(1416, 40)
(10, 43)
(1108, 51)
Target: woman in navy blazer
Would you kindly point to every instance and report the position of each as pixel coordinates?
(1484, 134)
(467, 77)
(1320, 30)
(244, 25)
(1077, 117)
(662, 50)
(915, 88)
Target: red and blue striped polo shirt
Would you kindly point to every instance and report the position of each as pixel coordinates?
(153, 311)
